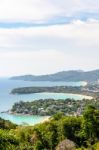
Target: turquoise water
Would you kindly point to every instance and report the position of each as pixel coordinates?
(22, 119)
(31, 120)
(7, 100)
(57, 96)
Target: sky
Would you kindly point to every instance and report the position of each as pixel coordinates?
(48, 36)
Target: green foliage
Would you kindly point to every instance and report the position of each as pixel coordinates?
(55, 89)
(50, 107)
(58, 116)
(38, 146)
(89, 132)
(7, 140)
(83, 131)
(96, 146)
(68, 127)
(6, 124)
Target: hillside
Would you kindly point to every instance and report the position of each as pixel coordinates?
(68, 132)
(89, 76)
(50, 107)
(5, 124)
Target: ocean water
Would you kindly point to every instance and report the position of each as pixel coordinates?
(7, 99)
(23, 119)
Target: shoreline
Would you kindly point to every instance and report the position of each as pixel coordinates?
(23, 123)
(85, 96)
(46, 119)
(72, 94)
(20, 114)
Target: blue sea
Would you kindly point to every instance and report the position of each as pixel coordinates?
(7, 99)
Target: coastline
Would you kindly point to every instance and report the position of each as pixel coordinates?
(46, 119)
(82, 95)
(72, 94)
(24, 119)
(22, 114)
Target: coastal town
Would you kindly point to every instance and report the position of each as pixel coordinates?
(50, 107)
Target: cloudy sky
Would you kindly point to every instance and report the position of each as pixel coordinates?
(46, 36)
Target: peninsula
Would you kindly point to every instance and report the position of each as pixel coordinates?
(66, 76)
(49, 107)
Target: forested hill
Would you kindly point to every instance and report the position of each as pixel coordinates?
(60, 132)
(89, 76)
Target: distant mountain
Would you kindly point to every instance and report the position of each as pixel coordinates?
(77, 75)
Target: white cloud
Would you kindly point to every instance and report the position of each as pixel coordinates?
(91, 5)
(42, 10)
(47, 49)
(41, 50)
(26, 10)
(16, 63)
(43, 62)
(82, 33)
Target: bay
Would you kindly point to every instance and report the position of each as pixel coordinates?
(7, 99)
(23, 119)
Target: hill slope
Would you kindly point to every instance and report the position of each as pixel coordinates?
(90, 76)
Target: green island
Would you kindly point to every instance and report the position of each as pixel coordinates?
(60, 132)
(49, 107)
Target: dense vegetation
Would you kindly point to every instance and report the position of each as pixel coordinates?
(55, 89)
(6, 124)
(71, 132)
(89, 76)
(49, 107)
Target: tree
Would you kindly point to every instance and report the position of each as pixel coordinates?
(90, 125)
